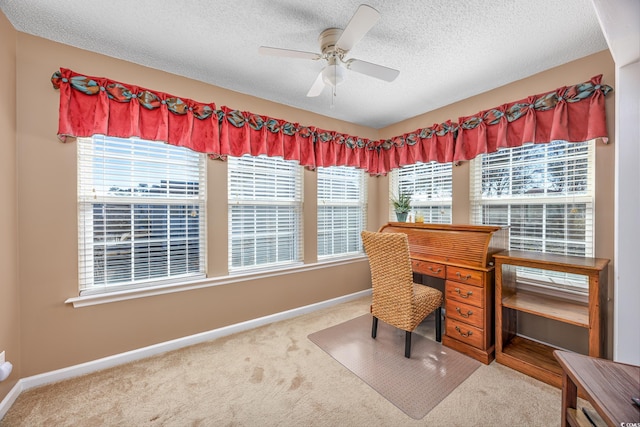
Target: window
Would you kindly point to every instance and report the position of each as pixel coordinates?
(265, 212)
(545, 193)
(430, 187)
(141, 213)
(342, 209)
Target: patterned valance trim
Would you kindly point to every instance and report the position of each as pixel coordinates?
(96, 105)
(432, 144)
(571, 113)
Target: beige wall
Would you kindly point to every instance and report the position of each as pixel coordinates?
(9, 301)
(56, 335)
(568, 74)
(46, 334)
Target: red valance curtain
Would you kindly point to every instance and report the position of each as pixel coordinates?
(432, 144)
(337, 149)
(99, 106)
(247, 133)
(574, 114)
(95, 105)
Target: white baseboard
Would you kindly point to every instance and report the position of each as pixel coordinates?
(119, 359)
(9, 399)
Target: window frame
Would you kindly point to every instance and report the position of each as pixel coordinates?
(427, 203)
(337, 182)
(99, 154)
(261, 201)
(562, 285)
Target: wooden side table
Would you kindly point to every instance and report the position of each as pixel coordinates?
(608, 386)
(533, 357)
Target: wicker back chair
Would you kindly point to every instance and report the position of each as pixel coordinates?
(396, 299)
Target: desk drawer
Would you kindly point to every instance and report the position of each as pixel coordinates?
(471, 295)
(464, 332)
(465, 313)
(464, 275)
(428, 268)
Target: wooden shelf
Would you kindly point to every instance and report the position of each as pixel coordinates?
(533, 353)
(534, 358)
(577, 418)
(547, 261)
(551, 308)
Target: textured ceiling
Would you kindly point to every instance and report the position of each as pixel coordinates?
(446, 50)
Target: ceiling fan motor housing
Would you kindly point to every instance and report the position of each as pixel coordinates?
(328, 39)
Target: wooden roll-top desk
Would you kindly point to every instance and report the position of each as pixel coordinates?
(462, 256)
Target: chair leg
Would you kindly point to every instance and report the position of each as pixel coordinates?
(439, 324)
(407, 344)
(374, 327)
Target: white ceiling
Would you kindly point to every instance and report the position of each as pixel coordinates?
(446, 50)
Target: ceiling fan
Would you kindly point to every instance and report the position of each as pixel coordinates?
(334, 45)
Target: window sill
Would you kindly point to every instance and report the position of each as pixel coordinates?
(109, 297)
(550, 290)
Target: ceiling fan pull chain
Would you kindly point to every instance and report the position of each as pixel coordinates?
(333, 97)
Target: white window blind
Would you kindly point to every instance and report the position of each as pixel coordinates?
(342, 208)
(430, 187)
(265, 212)
(141, 213)
(545, 193)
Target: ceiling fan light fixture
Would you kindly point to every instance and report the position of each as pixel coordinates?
(334, 74)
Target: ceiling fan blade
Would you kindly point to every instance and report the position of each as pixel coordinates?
(374, 70)
(316, 88)
(359, 24)
(289, 53)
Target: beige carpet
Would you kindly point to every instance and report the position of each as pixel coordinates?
(414, 385)
(272, 376)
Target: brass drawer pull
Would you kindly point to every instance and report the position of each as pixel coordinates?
(469, 293)
(467, 277)
(466, 335)
(466, 316)
(435, 271)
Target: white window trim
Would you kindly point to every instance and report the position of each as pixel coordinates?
(361, 204)
(297, 204)
(86, 150)
(533, 284)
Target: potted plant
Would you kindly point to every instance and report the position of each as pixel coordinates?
(402, 206)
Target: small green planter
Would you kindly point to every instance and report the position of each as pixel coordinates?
(402, 206)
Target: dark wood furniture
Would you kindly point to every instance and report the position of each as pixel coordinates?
(607, 385)
(532, 357)
(460, 255)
